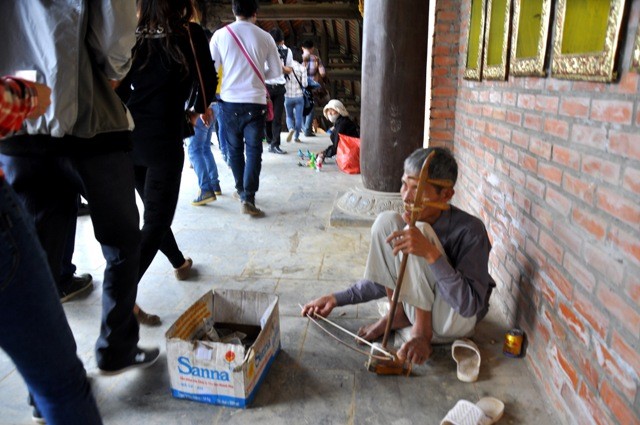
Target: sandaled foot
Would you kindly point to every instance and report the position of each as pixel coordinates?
(183, 272)
(145, 318)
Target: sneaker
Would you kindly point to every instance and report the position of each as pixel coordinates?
(142, 359)
(298, 141)
(36, 416)
(216, 189)
(251, 209)
(79, 284)
(236, 196)
(290, 135)
(204, 198)
(276, 149)
(182, 272)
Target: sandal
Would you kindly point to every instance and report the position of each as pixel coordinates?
(145, 318)
(487, 411)
(183, 272)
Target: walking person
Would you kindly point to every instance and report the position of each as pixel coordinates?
(315, 74)
(242, 49)
(80, 145)
(276, 88)
(204, 164)
(170, 59)
(294, 99)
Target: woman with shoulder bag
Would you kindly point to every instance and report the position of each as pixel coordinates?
(171, 58)
(294, 96)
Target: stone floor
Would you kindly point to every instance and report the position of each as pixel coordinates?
(295, 253)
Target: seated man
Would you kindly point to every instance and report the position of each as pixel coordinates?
(446, 285)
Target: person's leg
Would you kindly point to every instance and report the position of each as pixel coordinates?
(109, 188)
(254, 121)
(276, 124)
(161, 189)
(210, 162)
(222, 140)
(233, 129)
(308, 123)
(34, 331)
(298, 106)
(288, 107)
(198, 144)
(169, 247)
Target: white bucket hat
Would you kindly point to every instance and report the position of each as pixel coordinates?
(336, 105)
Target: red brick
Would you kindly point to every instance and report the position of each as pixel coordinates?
(579, 188)
(619, 372)
(526, 101)
(520, 139)
(543, 215)
(530, 227)
(568, 369)
(567, 157)
(620, 309)
(594, 405)
(585, 363)
(514, 118)
(443, 113)
(589, 222)
(556, 327)
(509, 98)
(547, 104)
(558, 201)
(592, 313)
(533, 83)
(629, 354)
(540, 148)
(556, 128)
(632, 288)
(517, 175)
(628, 83)
(618, 407)
(510, 154)
(613, 111)
(550, 173)
(535, 186)
(444, 91)
(535, 253)
(593, 137)
(618, 206)
(567, 235)
(627, 145)
(604, 262)
(588, 87)
(579, 272)
(600, 168)
(574, 323)
(559, 280)
(447, 16)
(549, 244)
(627, 243)
(631, 180)
(576, 107)
(532, 122)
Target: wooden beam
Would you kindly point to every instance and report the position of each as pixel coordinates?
(289, 12)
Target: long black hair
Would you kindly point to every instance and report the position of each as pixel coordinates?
(162, 20)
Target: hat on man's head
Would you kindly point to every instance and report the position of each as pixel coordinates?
(336, 105)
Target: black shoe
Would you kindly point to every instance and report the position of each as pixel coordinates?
(276, 149)
(79, 284)
(83, 209)
(309, 135)
(142, 359)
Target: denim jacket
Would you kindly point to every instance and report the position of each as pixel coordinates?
(75, 47)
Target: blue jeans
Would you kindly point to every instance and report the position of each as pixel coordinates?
(202, 159)
(244, 124)
(294, 106)
(222, 140)
(48, 188)
(33, 327)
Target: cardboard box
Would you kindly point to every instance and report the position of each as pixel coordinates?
(215, 372)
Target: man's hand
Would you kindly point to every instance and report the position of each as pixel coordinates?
(207, 117)
(413, 241)
(417, 350)
(43, 94)
(321, 306)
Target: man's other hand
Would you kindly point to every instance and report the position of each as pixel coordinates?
(321, 306)
(417, 350)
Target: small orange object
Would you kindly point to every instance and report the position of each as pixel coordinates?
(230, 356)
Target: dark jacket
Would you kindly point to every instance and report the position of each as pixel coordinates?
(343, 125)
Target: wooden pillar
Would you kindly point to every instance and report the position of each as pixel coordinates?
(393, 89)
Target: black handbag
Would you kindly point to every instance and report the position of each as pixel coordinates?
(309, 103)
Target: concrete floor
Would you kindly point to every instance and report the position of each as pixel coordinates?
(295, 253)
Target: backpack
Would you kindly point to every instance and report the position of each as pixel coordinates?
(282, 52)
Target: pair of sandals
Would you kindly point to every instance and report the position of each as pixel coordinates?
(488, 410)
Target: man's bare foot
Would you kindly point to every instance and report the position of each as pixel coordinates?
(417, 350)
(374, 330)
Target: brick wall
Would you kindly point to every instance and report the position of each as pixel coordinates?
(553, 168)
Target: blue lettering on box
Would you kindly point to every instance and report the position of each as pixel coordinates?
(185, 368)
